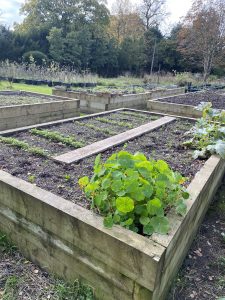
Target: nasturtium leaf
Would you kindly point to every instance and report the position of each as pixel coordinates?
(138, 194)
(92, 187)
(129, 222)
(144, 220)
(83, 181)
(99, 198)
(124, 204)
(118, 175)
(181, 208)
(108, 221)
(121, 193)
(154, 207)
(97, 166)
(160, 224)
(185, 195)
(117, 185)
(140, 209)
(100, 171)
(162, 166)
(116, 218)
(162, 178)
(106, 183)
(97, 159)
(147, 190)
(125, 159)
(148, 229)
(144, 172)
(140, 157)
(132, 174)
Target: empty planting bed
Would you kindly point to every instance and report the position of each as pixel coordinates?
(60, 138)
(185, 104)
(49, 218)
(19, 109)
(18, 98)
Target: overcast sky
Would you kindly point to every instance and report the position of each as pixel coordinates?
(10, 10)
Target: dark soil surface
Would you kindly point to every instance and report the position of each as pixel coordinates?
(61, 179)
(23, 98)
(202, 276)
(83, 133)
(194, 99)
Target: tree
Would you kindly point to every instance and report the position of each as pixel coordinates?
(152, 12)
(64, 14)
(131, 55)
(125, 21)
(203, 33)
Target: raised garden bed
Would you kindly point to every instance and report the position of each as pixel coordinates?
(19, 109)
(91, 103)
(83, 131)
(184, 104)
(71, 241)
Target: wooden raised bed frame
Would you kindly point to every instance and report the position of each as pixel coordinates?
(14, 116)
(72, 242)
(173, 108)
(90, 103)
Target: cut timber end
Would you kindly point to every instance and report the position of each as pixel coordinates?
(105, 144)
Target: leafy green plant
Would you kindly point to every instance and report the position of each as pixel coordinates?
(208, 134)
(67, 177)
(22, 145)
(31, 178)
(57, 137)
(108, 121)
(135, 192)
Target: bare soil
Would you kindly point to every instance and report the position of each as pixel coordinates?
(85, 134)
(202, 276)
(194, 99)
(61, 179)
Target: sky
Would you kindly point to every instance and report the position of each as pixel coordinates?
(10, 10)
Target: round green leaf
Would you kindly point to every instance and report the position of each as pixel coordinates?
(83, 181)
(185, 195)
(129, 222)
(160, 224)
(181, 208)
(154, 207)
(108, 221)
(148, 229)
(144, 220)
(124, 204)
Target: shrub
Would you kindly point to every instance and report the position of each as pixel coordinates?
(135, 192)
(208, 134)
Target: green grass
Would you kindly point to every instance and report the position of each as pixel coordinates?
(43, 89)
(5, 244)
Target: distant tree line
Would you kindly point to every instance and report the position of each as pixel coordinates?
(84, 35)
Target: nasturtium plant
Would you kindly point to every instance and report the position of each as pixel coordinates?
(208, 134)
(135, 192)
